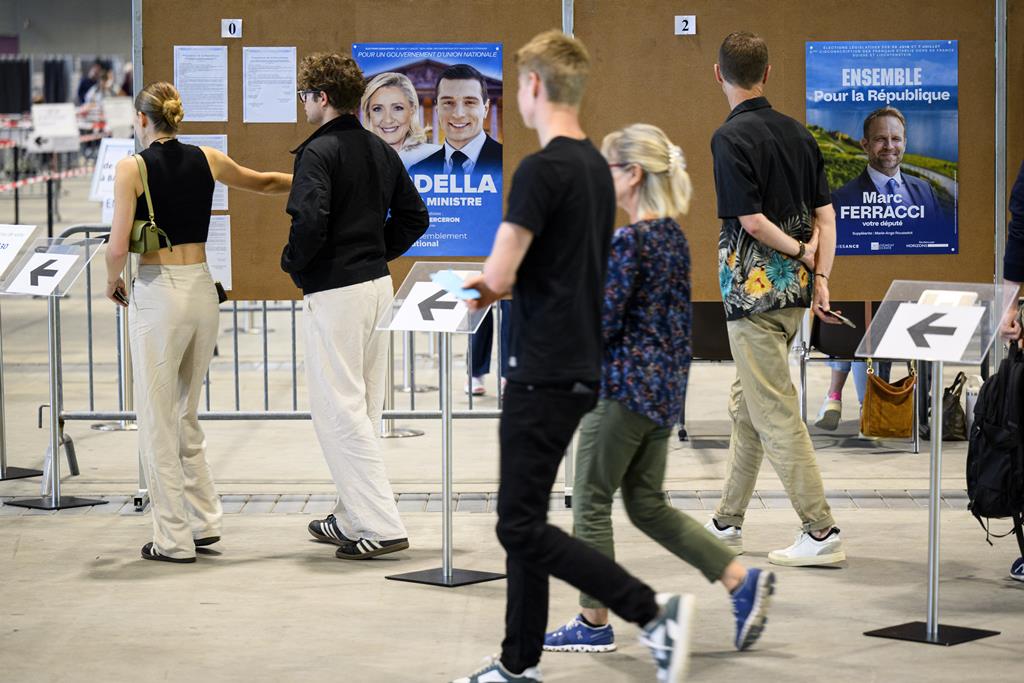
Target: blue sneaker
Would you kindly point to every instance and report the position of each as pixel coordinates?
(576, 636)
(750, 606)
(1017, 570)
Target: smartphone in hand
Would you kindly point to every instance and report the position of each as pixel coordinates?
(121, 296)
(836, 316)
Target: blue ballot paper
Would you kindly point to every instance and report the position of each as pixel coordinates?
(452, 284)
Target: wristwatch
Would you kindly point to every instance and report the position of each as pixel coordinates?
(803, 250)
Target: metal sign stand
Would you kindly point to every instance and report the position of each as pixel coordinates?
(931, 631)
(7, 473)
(935, 330)
(53, 500)
(446, 575)
(41, 277)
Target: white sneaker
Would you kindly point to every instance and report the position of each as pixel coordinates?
(732, 537)
(807, 551)
(476, 385)
(492, 671)
(829, 415)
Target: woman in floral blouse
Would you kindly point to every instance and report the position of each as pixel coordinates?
(624, 440)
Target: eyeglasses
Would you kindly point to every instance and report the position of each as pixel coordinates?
(304, 94)
(620, 165)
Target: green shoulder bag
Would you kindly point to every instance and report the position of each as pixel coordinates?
(146, 235)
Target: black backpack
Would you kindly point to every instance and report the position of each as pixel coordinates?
(995, 454)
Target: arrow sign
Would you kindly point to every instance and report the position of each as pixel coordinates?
(918, 330)
(433, 303)
(43, 270)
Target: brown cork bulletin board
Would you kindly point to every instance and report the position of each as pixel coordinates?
(259, 224)
(644, 73)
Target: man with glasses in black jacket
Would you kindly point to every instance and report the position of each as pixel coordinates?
(353, 209)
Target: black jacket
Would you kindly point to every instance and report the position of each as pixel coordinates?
(346, 182)
(1013, 260)
(489, 160)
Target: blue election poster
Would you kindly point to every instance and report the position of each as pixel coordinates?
(885, 117)
(439, 105)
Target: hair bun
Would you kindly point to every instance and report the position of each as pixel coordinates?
(173, 111)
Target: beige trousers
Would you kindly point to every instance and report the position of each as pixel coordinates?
(173, 321)
(346, 361)
(766, 420)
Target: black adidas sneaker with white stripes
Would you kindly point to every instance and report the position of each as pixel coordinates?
(364, 548)
(328, 531)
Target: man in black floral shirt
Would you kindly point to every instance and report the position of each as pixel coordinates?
(775, 255)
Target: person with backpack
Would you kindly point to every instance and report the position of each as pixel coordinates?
(1013, 274)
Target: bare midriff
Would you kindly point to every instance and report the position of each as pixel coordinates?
(183, 255)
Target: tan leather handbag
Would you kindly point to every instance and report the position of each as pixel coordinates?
(888, 409)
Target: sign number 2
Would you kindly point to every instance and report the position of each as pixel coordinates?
(686, 25)
(230, 28)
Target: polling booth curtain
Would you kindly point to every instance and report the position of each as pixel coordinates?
(55, 80)
(15, 86)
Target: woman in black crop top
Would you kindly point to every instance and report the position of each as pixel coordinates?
(173, 314)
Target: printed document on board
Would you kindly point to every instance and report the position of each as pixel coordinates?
(220, 143)
(268, 85)
(201, 76)
(218, 250)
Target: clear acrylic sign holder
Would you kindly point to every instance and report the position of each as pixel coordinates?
(938, 322)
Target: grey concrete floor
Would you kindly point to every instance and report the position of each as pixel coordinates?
(77, 603)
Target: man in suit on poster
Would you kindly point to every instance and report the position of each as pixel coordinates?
(462, 107)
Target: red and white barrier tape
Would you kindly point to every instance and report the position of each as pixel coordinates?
(74, 173)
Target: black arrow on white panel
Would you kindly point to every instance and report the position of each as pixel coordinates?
(433, 303)
(42, 270)
(918, 330)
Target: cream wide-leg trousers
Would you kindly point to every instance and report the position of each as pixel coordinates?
(346, 362)
(173, 322)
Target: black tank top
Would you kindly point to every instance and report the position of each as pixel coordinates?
(181, 186)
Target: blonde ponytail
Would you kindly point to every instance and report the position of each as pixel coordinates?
(665, 190)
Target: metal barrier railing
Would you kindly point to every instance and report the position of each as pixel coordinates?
(123, 417)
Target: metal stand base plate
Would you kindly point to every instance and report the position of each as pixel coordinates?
(917, 631)
(116, 426)
(420, 389)
(400, 433)
(435, 577)
(63, 503)
(19, 473)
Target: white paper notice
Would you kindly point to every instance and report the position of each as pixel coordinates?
(120, 115)
(201, 76)
(218, 142)
(268, 85)
(54, 121)
(112, 150)
(12, 239)
(218, 250)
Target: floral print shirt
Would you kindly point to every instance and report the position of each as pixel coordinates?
(646, 320)
(754, 278)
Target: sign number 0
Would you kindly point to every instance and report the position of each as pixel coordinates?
(230, 28)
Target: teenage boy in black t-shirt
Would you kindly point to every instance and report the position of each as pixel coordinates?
(551, 251)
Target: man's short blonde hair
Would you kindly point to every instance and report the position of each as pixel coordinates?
(562, 62)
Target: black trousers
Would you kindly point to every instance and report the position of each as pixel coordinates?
(537, 424)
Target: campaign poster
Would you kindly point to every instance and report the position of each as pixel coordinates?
(439, 105)
(885, 117)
